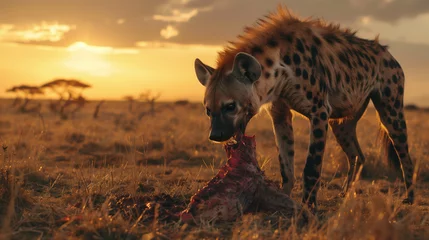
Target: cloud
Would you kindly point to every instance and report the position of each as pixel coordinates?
(99, 22)
(403, 30)
(44, 31)
(83, 47)
(169, 32)
(177, 16)
(175, 45)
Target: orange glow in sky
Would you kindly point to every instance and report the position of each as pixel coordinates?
(112, 72)
(88, 59)
(124, 49)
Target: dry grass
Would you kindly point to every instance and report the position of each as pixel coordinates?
(93, 179)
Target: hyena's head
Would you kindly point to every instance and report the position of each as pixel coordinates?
(230, 99)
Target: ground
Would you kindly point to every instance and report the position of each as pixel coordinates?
(85, 178)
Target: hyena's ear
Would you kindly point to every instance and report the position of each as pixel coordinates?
(203, 71)
(248, 66)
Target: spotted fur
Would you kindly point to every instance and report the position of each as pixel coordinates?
(322, 71)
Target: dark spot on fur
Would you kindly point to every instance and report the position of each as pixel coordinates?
(296, 59)
(316, 121)
(300, 46)
(403, 124)
(304, 74)
(314, 53)
(310, 62)
(256, 50)
(338, 77)
(312, 80)
(331, 38)
(309, 95)
(287, 36)
(392, 63)
(269, 62)
(276, 73)
(287, 60)
(297, 86)
(267, 75)
(312, 149)
(402, 138)
(347, 78)
(317, 40)
(395, 125)
(397, 104)
(314, 109)
(315, 100)
(385, 63)
(320, 145)
(400, 90)
(324, 116)
(298, 72)
(395, 79)
(291, 153)
(272, 43)
(366, 68)
(343, 58)
(387, 92)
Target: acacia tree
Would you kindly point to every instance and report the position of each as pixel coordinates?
(150, 98)
(18, 98)
(28, 92)
(69, 92)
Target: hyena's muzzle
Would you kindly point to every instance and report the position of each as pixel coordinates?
(222, 127)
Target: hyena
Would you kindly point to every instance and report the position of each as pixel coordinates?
(320, 70)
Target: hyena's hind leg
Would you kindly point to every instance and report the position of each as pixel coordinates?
(389, 105)
(345, 133)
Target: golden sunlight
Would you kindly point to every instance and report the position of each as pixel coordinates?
(88, 59)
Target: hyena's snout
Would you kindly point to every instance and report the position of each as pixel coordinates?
(222, 129)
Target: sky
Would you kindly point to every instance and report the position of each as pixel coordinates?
(124, 47)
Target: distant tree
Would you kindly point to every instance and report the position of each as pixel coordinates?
(150, 98)
(97, 109)
(17, 99)
(131, 101)
(183, 102)
(69, 92)
(28, 92)
(411, 107)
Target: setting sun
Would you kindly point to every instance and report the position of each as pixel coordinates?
(88, 59)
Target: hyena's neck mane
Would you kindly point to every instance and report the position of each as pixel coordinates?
(281, 25)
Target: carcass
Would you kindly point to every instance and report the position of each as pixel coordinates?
(239, 187)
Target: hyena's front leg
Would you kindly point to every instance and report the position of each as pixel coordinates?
(313, 165)
(281, 116)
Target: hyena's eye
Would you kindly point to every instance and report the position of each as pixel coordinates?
(230, 107)
(208, 112)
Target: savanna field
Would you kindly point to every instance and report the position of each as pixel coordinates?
(118, 176)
